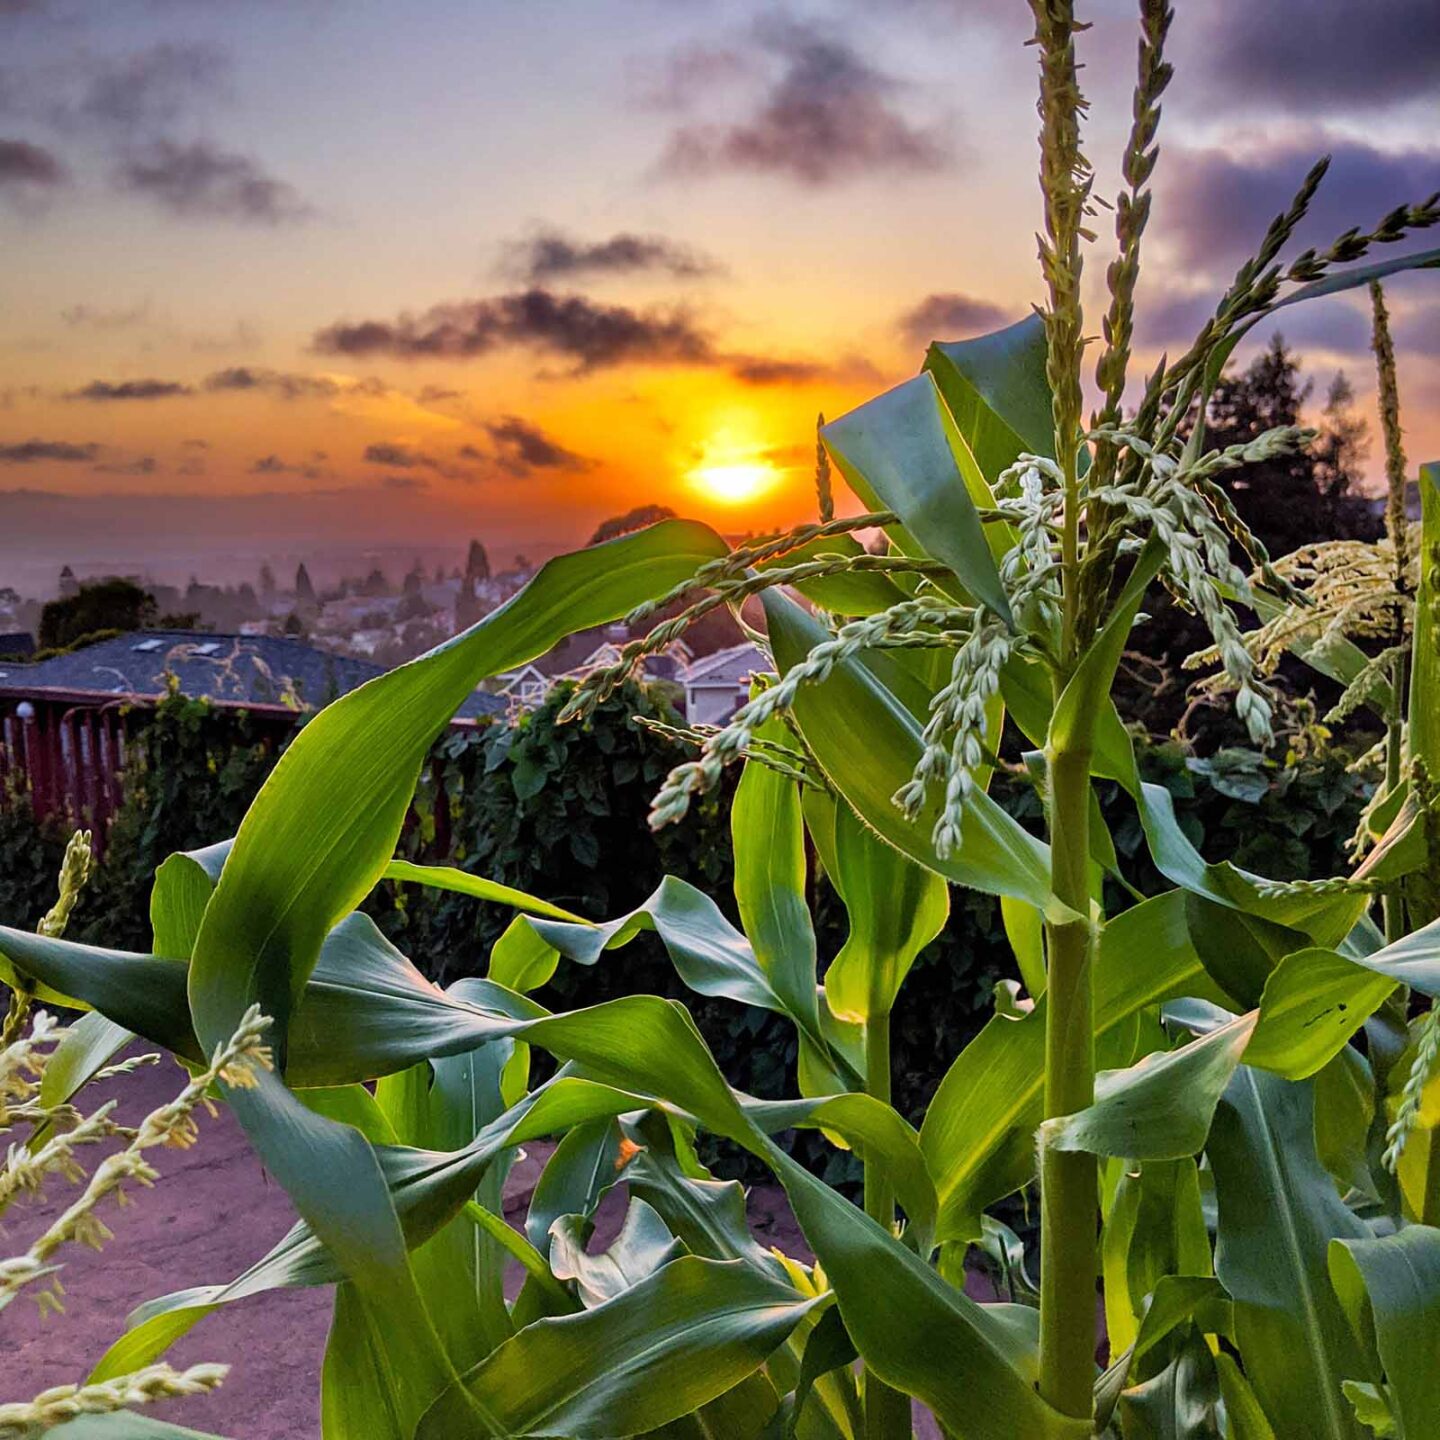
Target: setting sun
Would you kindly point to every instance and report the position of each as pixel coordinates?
(734, 483)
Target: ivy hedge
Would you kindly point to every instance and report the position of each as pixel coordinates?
(560, 810)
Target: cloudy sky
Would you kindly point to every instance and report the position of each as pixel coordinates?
(415, 269)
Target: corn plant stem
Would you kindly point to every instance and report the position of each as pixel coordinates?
(887, 1411)
(1393, 905)
(1068, 1203)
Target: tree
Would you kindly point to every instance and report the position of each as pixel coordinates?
(304, 589)
(636, 519)
(114, 604)
(267, 582)
(375, 586)
(477, 565)
(1290, 501)
(1293, 499)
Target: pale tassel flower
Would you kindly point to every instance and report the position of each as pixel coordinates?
(63, 1403)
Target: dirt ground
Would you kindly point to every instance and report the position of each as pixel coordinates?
(213, 1214)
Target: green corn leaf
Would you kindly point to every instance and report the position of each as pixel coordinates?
(896, 909)
(1154, 1235)
(1314, 1001)
(184, 883)
(658, 1351)
(1246, 1419)
(707, 1214)
(1178, 1299)
(996, 387)
(461, 1268)
(639, 1047)
(125, 1425)
(643, 1245)
(354, 1396)
(1325, 918)
(1161, 1107)
(143, 994)
(182, 888)
(1345, 1096)
(1393, 1284)
(768, 839)
(1240, 950)
(1278, 1214)
(1334, 283)
(1181, 1402)
(1413, 960)
(1371, 1404)
(521, 959)
(366, 1012)
(710, 955)
(918, 1333)
(89, 1044)
(827, 1348)
(1086, 696)
(902, 451)
(585, 1165)
(461, 882)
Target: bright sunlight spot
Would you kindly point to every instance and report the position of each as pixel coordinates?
(734, 483)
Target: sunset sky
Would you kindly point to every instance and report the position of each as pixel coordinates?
(364, 272)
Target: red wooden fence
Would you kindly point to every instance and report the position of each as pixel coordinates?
(68, 754)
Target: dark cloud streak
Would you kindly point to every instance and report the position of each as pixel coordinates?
(522, 448)
(28, 167)
(551, 255)
(103, 390)
(200, 181)
(29, 452)
(589, 334)
(950, 316)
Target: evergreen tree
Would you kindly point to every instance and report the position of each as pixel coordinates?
(304, 590)
(1293, 499)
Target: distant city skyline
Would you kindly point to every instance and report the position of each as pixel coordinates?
(333, 276)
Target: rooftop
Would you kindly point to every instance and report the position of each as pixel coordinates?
(727, 667)
(228, 669)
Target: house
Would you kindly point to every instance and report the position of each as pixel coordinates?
(717, 685)
(526, 685)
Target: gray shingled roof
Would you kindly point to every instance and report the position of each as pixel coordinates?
(229, 669)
